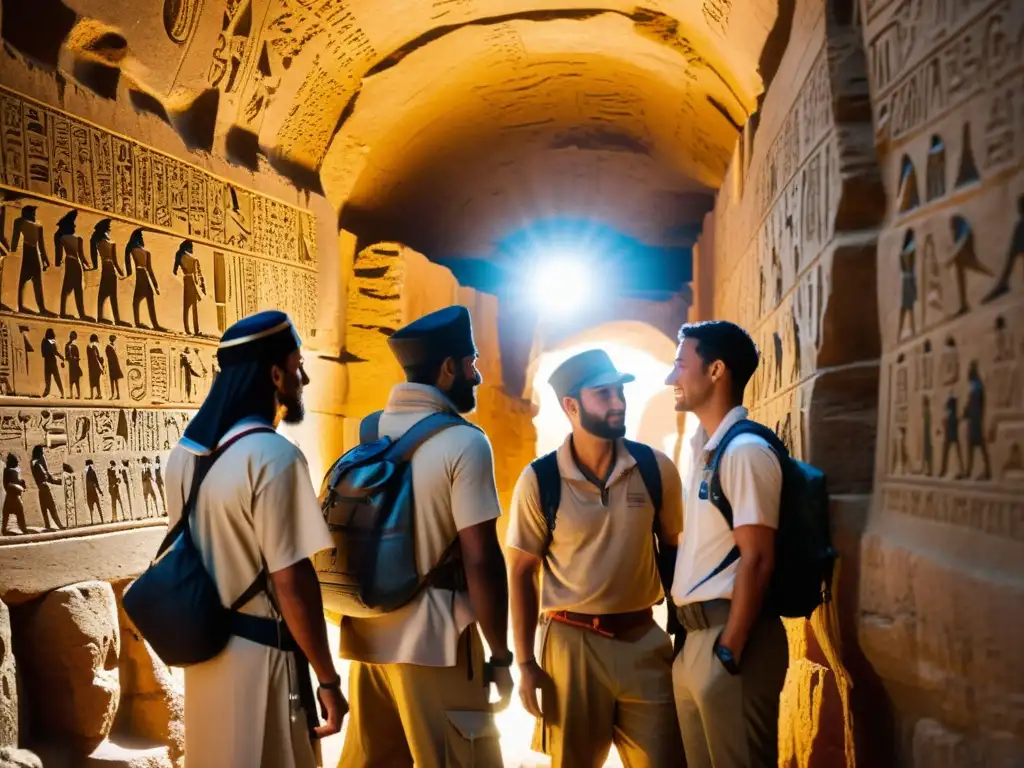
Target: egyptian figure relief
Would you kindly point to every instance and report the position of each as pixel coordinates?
(123, 266)
(951, 264)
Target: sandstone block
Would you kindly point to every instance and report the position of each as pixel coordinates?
(11, 757)
(68, 645)
(8, 684)
(152, 700)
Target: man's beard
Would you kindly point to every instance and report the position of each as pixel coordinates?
(294, 409)
(463, 393)
(599, 427)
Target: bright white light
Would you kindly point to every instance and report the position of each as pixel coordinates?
(551, 423)
(560, 283)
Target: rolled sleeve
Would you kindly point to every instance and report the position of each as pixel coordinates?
(289, 524)
(671, 518)
(474, 491)
(752, 481)
(527, 528)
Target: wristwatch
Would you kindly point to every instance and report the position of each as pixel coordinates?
(504, 662)
(725, 656)
(332, 685)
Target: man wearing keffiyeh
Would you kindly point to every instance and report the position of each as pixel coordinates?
(257, 523)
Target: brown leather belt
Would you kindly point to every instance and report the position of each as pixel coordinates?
(607, 624)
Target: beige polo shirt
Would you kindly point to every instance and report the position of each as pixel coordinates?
(453, 485)
(601, 558)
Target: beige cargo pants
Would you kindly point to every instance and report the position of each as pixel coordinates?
(608, 690)
(430, 717)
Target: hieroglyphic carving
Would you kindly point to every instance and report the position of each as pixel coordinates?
(913, 91)
(51, 153)
(1001, 516)
(91, 402)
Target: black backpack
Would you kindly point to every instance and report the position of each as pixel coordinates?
(804, 556)
(367, 501)
(175, 603)
(549, 484)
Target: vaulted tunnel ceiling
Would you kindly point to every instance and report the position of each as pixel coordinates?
(444, 124)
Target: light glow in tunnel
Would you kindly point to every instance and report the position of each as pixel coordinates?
(648, 393)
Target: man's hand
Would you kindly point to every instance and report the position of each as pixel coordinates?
(333, 709)
(532, 678)
(502, 679)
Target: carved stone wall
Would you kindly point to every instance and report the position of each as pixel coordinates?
(123, 257)
(941, 589)
(791, 257)
(123, 265)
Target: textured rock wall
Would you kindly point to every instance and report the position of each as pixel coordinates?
(941, 588)
(125, 257)
(791, 256)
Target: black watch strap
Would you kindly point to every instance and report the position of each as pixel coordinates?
(505, 662)
(333, 685)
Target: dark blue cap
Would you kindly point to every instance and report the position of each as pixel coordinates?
(265, 335)
(435, 337)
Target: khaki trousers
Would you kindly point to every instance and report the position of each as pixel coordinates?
(608, 690)
(430, 717)
(731, 721)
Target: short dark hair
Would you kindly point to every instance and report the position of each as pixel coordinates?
(424, 373)
(725, 341)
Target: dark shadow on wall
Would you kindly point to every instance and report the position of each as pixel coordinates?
(771, 57)
(37, 28)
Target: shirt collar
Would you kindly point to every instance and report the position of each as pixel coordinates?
(570, 470)
(405, 398)
(736, 414)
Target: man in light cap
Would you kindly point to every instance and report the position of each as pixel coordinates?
(419, 685)
(256, 527)
(586, 517)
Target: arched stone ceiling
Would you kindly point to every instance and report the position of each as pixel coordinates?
(489, 127)
(451, 114)
(286, 70)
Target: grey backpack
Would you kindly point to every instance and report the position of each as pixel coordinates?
(367, 501)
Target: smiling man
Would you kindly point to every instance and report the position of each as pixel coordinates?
(584, 517)
(729, 675)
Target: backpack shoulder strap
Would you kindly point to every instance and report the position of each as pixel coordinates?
(650, 472)
(549, 487)
(205, 463)
(369, 428)
(423, 430)
(744, 427)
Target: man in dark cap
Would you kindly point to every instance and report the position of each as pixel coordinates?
(586, 517)
(418, 685)
(256, 528)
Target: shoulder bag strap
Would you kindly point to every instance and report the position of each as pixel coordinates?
(369, 428)
(650, 472)
(715, 492)
(549, 487)
(423, 430)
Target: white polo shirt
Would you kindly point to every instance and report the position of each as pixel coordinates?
(752, 482)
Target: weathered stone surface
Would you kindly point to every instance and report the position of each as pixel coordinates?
(941, 588)
(115, 752)
(152, 702)
(8, 683)
(792, 259)
(11, 757)
(68, 642)
(28, 570)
